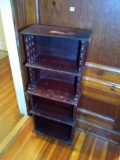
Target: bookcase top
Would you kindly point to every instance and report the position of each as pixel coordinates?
(53, 31)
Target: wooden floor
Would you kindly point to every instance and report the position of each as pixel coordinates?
(11, 121)
(29, 146)
(9, 112)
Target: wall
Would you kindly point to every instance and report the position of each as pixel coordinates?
(99, 108)
(2, 37)
(3, 47)
(9, 28)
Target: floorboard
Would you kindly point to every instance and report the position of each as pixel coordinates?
(30, 146)
(11, 121)
(9, 112)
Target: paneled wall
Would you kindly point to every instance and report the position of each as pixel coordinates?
(99, 108)
(98, 15)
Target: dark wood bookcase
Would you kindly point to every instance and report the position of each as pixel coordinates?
(55, 60)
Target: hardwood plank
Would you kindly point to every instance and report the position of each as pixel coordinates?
(90, 148)
(13, 134)
(78, 147)
(70, 148)
(29, 151)
(104, 151)
(112, 149)
(45, 149)
(98, 149)
(49, 154)
(85, 147)
(9, 112)
(20, 141)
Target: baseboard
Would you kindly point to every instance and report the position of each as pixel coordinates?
(107, 134)
(95, 118)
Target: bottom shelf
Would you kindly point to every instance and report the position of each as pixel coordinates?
(53, 129)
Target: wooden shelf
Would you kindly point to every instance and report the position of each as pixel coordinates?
(52, 31)
(53, 110)
(53, 129)
(55, 59)
(55, 64)
(55, 90)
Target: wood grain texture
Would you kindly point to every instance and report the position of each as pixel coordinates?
(85, 147)
(99, 118)
(30, 12)
(11, 136)
(11, 121)
(99, 131)
(9, 112)
(24, 14)
(102, 72)
(101, 95)
(103, 80)
(18, 8)
(95, 118)
(101, 84)
(100, 16)
(97, 106)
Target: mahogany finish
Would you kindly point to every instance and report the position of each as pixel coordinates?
(101, 83)
(100, 16)
(85, 147)
(55, 59)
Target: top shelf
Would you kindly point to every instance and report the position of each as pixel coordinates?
(63, 32)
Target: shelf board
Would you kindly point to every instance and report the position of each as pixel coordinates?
(55, 90)
(53, 117)
(53, 113)
(65, 140)
(53, 129)
(54, 110)
(62, 32)
(55, 64)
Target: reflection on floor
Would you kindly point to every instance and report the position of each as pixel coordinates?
(29, 146)
(9, 112)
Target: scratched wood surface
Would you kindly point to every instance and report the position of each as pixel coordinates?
(100, 83)
(9, 112)
(28, 145)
